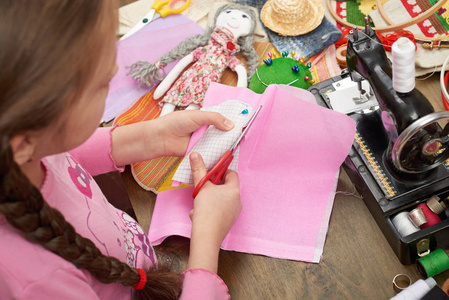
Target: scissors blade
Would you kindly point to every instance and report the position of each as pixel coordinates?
(245, 129)
(149, 17)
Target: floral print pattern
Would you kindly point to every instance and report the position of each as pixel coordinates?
(135, 241)
(210, 63)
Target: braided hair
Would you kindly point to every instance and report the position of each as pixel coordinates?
(146, 73)
(38, 82)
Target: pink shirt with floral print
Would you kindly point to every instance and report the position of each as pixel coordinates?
(210, 63)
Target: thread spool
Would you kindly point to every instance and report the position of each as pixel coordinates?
(340, 54)
(436, 293)
(430, 216)
(403, 224)
(417, 290)
(433, 263)
(403, 58)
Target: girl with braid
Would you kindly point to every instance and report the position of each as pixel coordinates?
(60, 238)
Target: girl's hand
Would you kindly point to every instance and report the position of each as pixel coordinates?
(173, 131)
(167, 135)
(216, 208)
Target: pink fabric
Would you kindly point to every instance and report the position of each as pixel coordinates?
(28, 271)
(203, 284)
(148, 44)
(210, 63)
(288, 168)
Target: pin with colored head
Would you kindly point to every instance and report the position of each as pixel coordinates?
(295, 68)
(268, 62)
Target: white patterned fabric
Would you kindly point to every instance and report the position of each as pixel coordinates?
(214, 142)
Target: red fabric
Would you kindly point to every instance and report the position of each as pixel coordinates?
(431, 217)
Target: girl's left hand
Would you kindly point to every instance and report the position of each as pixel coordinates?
(165, 136)
(173, 131)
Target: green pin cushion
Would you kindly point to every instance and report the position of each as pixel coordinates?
(280, 72)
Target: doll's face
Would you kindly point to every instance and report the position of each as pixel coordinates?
(237, 21)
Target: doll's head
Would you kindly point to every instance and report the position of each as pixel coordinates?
(241, 20)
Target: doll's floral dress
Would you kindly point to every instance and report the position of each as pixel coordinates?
(210, 63)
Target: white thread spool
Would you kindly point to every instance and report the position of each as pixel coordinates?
(403, 57)
(417, 290)
(403, 224)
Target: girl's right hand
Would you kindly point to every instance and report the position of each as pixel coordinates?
(216, 208)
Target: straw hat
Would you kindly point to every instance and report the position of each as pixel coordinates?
(292, 17)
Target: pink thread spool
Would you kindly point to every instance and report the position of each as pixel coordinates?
(431, 217)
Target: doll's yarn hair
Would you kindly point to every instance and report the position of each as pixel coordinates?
(49, 50)
(146, 73)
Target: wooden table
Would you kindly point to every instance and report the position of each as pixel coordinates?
(357, 262)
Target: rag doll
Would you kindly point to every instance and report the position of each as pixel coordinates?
(211, 53)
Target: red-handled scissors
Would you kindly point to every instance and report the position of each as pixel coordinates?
(217, 172)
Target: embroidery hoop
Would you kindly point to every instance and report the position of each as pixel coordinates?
(392, 26)
(258, 77)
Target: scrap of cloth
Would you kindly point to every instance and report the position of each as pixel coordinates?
(148, 44)
(288, 169)
(214, 142)
(306, 45)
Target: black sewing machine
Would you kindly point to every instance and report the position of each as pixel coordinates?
(399, 157)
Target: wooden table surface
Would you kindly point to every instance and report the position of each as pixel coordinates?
(357, 261)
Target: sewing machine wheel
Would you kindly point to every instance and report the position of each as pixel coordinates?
(423, 145)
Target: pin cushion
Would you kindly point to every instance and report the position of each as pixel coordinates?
(281, 70)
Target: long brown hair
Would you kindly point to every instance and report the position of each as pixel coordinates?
(49, 49)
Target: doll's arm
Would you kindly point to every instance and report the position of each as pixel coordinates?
(242, 76)
(172, 76)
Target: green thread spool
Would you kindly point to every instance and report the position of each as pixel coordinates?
(433, 263)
